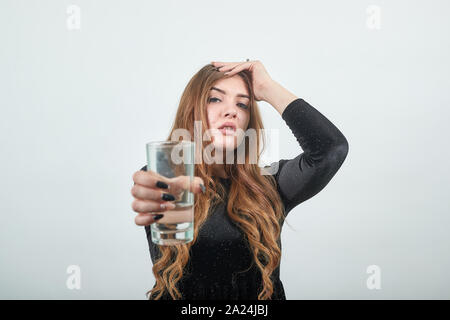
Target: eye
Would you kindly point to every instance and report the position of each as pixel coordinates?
(241, 104)
(210, 99)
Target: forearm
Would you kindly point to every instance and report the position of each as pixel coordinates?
(325, 149)
(315, 133)
(278, 96)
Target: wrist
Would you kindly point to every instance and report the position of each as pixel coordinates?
(278, 96)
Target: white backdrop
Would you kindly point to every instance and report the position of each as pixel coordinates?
(85, 84)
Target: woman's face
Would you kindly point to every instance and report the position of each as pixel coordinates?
(228, 101)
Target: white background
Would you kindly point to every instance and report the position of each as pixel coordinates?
(78, 106)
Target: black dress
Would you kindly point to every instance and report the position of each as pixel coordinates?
(221, 265)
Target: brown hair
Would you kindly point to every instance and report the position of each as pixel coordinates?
(254, 203)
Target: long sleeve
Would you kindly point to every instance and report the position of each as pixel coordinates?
(325, 149)
(221, 266)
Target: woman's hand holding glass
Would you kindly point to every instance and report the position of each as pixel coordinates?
(155, 194)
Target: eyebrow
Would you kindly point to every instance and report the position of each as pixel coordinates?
(238, 95)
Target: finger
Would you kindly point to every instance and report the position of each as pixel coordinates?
(221, 65)
(238, 69)
(150, 206)
(146, 193)
(229, 66)
(144, 219)
(150, 179)
(218, 63)
(198, 185)
(182, 183)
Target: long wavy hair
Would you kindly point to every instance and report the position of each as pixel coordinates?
(253, 201)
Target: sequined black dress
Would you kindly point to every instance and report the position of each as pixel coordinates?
(221, 252)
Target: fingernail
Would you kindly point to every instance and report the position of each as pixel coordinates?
(202, 187)
(169, 205)
(157, 216)
(162, 185)
(167, 197)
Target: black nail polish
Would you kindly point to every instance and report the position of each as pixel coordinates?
(161, 185)
(202, 187)
(167, 197)
(157, 216)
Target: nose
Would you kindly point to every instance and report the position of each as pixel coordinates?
(230, 112)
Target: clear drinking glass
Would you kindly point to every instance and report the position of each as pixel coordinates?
(172, 159)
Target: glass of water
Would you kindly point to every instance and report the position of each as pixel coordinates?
(173, 159)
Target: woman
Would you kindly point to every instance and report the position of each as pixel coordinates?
(239, 211)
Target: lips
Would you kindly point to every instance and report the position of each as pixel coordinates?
(227, 132)
(228, 128)
(228, 124)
